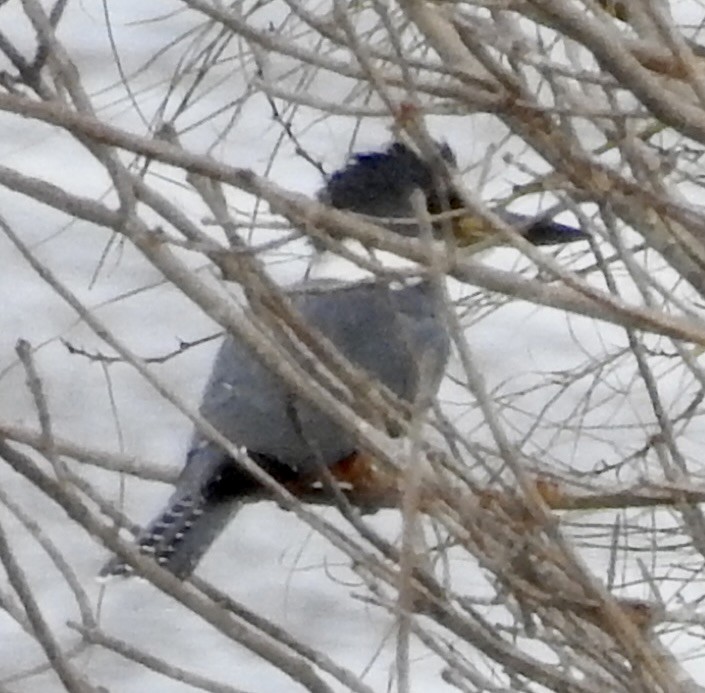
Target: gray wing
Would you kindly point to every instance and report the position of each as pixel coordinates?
(393, 335)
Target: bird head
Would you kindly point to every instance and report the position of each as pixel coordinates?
(379, 185)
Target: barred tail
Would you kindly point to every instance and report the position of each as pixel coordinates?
(180, 536)
(209, 492)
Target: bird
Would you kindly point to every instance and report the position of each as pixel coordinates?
(387, 331)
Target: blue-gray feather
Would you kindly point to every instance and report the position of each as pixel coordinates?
(391, 334)
(396, 336)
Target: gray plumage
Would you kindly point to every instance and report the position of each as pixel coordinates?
(394, 335)
(391, 334)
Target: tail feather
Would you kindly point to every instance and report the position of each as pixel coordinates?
(179, 537)
(209, 492)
